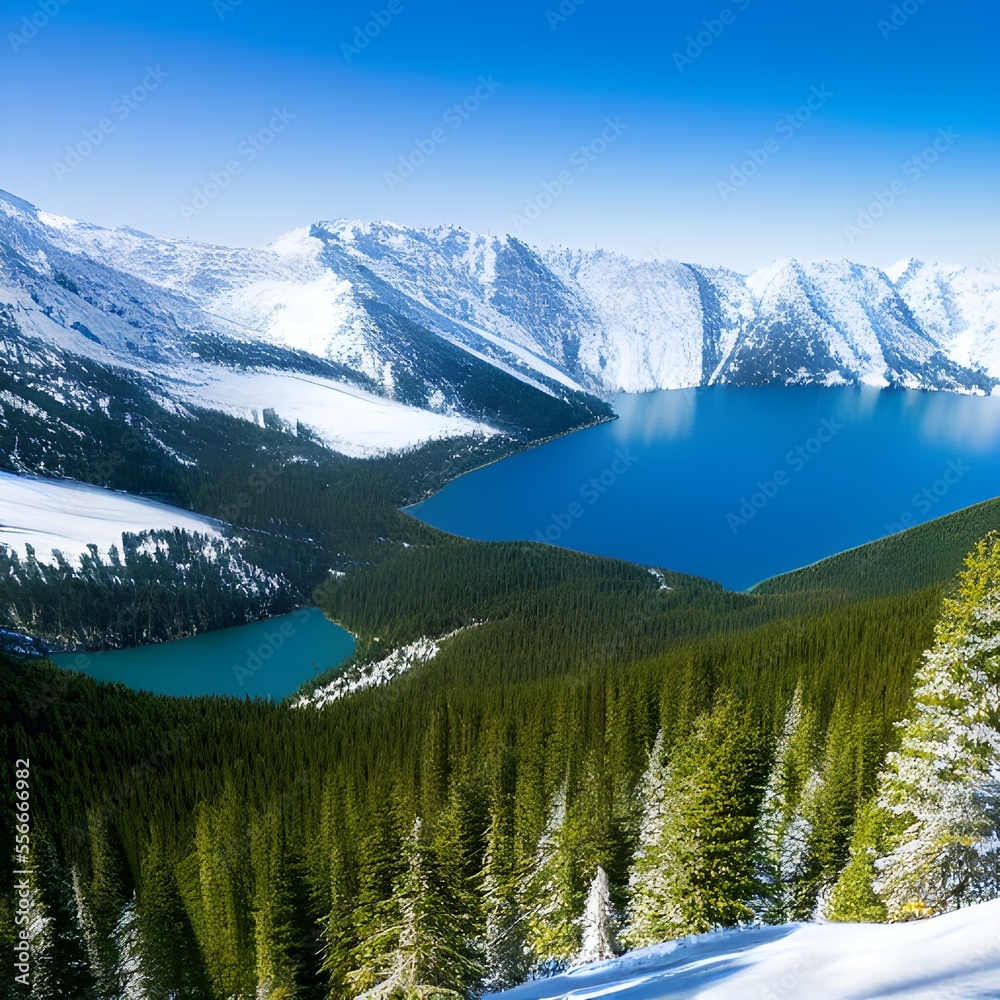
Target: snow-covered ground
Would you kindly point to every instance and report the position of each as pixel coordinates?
(347, 419)
(68, 516)
(953, 957)
(375, 674)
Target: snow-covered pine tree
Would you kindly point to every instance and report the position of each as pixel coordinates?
(702, 874)
(106, 904)
(599, 922)
(428, 951)
(784, 827)
(552, 930)
(508, 961)
(933, 840)
(60, 966)
(647, 888)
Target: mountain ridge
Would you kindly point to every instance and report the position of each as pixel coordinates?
(378, 336)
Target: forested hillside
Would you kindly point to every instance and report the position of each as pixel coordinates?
(295, 509)
(609, 757)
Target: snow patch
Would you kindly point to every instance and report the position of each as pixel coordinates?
(68, 516)
(348, 420)
(377, 673)
(955, 955)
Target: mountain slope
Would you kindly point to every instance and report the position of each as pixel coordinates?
(477, 327)
(955, 955)
(837, 322)
(958, 307)
(247, 331)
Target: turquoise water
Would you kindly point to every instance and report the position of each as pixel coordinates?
(737, 484)
(268, 659)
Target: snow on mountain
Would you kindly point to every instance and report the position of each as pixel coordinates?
(68, 516)
(838, 322)
(211, 327)
(959, 307)
(376, 674)
(493, 297)
(344, 418)
(647, 325)
(359, 676)
(949, 957)
(378, 337)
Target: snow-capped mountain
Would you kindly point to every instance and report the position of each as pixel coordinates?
(837, 322)
(278, 331)
(376, 337)
(959, 307)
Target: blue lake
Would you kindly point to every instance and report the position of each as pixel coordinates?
(737, 484)
(268, 659)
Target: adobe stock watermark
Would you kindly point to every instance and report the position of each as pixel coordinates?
(789, 983)
(590, 492)
(562, 13)
(898, 16)
(579, 162)
(786, 128)
(22, 872)
(913, 169)
(247, 151)
(223, 8)
(39, 21)
(121, 108)
(258, 656)
(795, 461)
(926, 499)
(711, 30)
(662, 254)
(453, 118)
(365, 34)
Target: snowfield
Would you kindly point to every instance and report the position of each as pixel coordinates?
(348, 420)
(59, 514)
(952, 957)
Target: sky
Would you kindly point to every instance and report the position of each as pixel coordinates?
(725, 133)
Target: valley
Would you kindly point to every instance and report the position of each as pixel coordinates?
(495, 733)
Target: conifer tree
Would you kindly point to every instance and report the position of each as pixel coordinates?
(506, 953)
(225, 932)
(339, 926)
(784, 826)
(853, 898)
(380, 865)
(552, 926)
(832, 802)
(647, 888)
(60, 965)
(273, 932)
(108, 904)
(599, 922)
(704, 867)
(171, 960)
(935, 826)
(427, 951)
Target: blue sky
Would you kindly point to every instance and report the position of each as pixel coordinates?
(233, 121)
